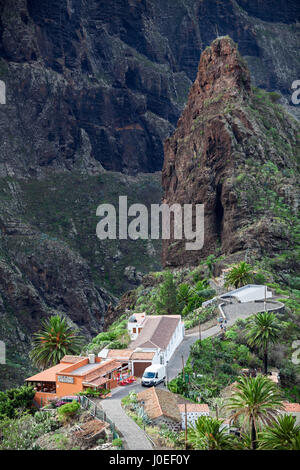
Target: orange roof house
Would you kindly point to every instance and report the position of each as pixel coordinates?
(292, 409)
(164, 407)
(72, 375)
(201, 408)
(161, 407)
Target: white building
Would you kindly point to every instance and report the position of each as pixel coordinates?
(135, 324)
(155, 339)
(249, 293)
(161, 335)
(194, 411)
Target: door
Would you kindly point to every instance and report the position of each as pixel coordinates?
(139, 367)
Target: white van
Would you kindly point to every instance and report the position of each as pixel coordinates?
(153, 375)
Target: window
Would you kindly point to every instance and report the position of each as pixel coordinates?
(133, 330)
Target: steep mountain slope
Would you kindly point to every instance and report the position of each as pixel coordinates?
(237, 152)
(52, 262)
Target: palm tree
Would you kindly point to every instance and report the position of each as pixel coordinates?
(284, 434)
(257, 402)
(239, 275)
(54, 341)
(208, 434)
(263, 330)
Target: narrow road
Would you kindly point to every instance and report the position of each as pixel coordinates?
(233, 312)
(135, 438)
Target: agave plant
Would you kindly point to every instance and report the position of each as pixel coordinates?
(54, 341)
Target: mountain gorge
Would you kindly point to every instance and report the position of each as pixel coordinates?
(93, 89)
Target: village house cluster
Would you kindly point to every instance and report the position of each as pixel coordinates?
(154, 341)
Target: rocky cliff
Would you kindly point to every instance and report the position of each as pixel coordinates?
(103, 82)
(52, 262)
(237, 152)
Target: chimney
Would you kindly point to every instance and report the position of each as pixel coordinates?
(91, 358)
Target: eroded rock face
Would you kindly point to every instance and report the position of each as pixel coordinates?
(102, 83)
(235, 151)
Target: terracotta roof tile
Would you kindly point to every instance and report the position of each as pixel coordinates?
(141, 356)
(120, 354)
(104, 368)
(194, 408)
(71, 359)
(160, 403)
(96, 382)
(48, 375)
(291, 407)
(128, 354)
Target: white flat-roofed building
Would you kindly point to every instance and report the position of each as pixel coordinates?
(249, 293)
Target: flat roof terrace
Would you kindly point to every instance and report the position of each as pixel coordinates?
(249, 293)
(84, 370)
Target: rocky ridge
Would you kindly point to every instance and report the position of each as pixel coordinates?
(236, 151)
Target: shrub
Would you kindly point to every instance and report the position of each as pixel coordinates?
(21, 433)
(68, 411)
(117, 443)
(14, 400)
(166, 302)
(274, 96)
(259, 278)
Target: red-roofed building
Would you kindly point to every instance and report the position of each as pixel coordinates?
(292, 409)
(194, 411)
(72, 375)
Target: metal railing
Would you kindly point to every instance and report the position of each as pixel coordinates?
(98, 413)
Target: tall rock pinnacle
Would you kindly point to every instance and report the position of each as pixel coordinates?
(235, 151)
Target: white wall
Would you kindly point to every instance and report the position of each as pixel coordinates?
(131, 326)
(174, 342)
(192, 417)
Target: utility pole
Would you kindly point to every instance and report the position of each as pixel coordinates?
(182, 366)
(167, 379)
(265, 298)
(200, 331)
(143, 405)
(185, 423)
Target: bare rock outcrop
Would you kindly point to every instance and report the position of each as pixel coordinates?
(234, 150)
